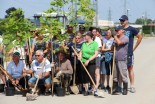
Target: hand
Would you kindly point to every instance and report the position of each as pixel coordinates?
(52, 64)
(79, 58)
(58, 74)
(14, 82)
(40, 75)
(17, 80)
(86, 63)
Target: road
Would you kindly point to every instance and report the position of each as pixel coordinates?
(144, 83)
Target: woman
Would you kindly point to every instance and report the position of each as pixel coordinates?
(77, 41)
(88, 53)
(40, 44)
(106, 49)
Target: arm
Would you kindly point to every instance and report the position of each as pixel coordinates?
(119, 42)
(139, 36)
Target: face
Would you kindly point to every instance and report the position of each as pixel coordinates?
(39, 57)
(61, 56)
(109, 34)
(16, 58)
(119, 32)
(78, 39)
(94, 32)
(124, 22)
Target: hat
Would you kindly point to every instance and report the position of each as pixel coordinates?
(16, 54)
(123, 18)
(119, 28)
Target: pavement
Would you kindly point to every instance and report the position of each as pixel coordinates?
(144, 83)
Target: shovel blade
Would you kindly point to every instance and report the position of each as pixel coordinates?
(74, 89)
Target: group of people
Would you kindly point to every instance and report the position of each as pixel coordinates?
(93, 52)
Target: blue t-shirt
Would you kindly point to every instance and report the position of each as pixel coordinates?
(131, 32)
(78, 49)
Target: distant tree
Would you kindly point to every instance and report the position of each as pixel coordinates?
(143, 21)
(10, 10)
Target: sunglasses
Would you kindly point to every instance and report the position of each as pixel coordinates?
(122, 20)
(37, 55)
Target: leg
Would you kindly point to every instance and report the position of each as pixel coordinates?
(97, 72)
(131, 72)
(47, 84)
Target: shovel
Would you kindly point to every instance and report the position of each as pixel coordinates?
(100, 94)
(31, 97)
(74, 88)
(113, 66)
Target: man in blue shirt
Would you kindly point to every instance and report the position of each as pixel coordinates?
(130, 32)
(15, 69)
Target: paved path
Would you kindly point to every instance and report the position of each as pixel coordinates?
(144, 83)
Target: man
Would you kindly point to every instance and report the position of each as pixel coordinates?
(64, 70)
(121, 73)
(130, 32)
(16, 69)
(97, 71)
(41, 68)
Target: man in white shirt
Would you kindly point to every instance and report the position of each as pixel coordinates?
(97, 71)
(41, 68)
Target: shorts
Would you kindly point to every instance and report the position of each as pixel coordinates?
(41, 81)
(130, 61)
(97, 61)
(105, 67)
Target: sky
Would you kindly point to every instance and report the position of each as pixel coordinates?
(136, 8)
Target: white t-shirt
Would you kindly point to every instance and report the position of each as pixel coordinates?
(40, 67)
(99, 42)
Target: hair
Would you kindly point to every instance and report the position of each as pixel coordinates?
(89, 33)
(41, 52)
(99, 30)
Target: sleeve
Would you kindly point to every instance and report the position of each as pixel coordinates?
(135, 31)
(47, 66)
(32, 65)
(125, 40)
(9, 69)
(96, 46)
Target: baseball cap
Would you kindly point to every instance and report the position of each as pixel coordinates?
(16, 54)
(119, 28)
(123, 17)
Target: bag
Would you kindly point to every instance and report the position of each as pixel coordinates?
(108, 56)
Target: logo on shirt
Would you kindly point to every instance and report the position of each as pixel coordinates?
(127, 33)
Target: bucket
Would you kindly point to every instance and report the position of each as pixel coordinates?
(2, 87)
(60, 91)
(9, 91)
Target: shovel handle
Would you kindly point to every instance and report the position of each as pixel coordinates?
(35, 85)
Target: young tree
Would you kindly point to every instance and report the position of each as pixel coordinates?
(15, 28)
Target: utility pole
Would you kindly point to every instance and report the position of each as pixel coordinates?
(96, 13)
(125, 11)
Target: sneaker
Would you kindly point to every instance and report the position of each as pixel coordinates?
(96, 93)
(85, 93)
(132, 90)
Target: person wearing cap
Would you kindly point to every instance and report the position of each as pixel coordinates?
(16, 69)
(121, 71)
(87, 55)
(130, 32)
